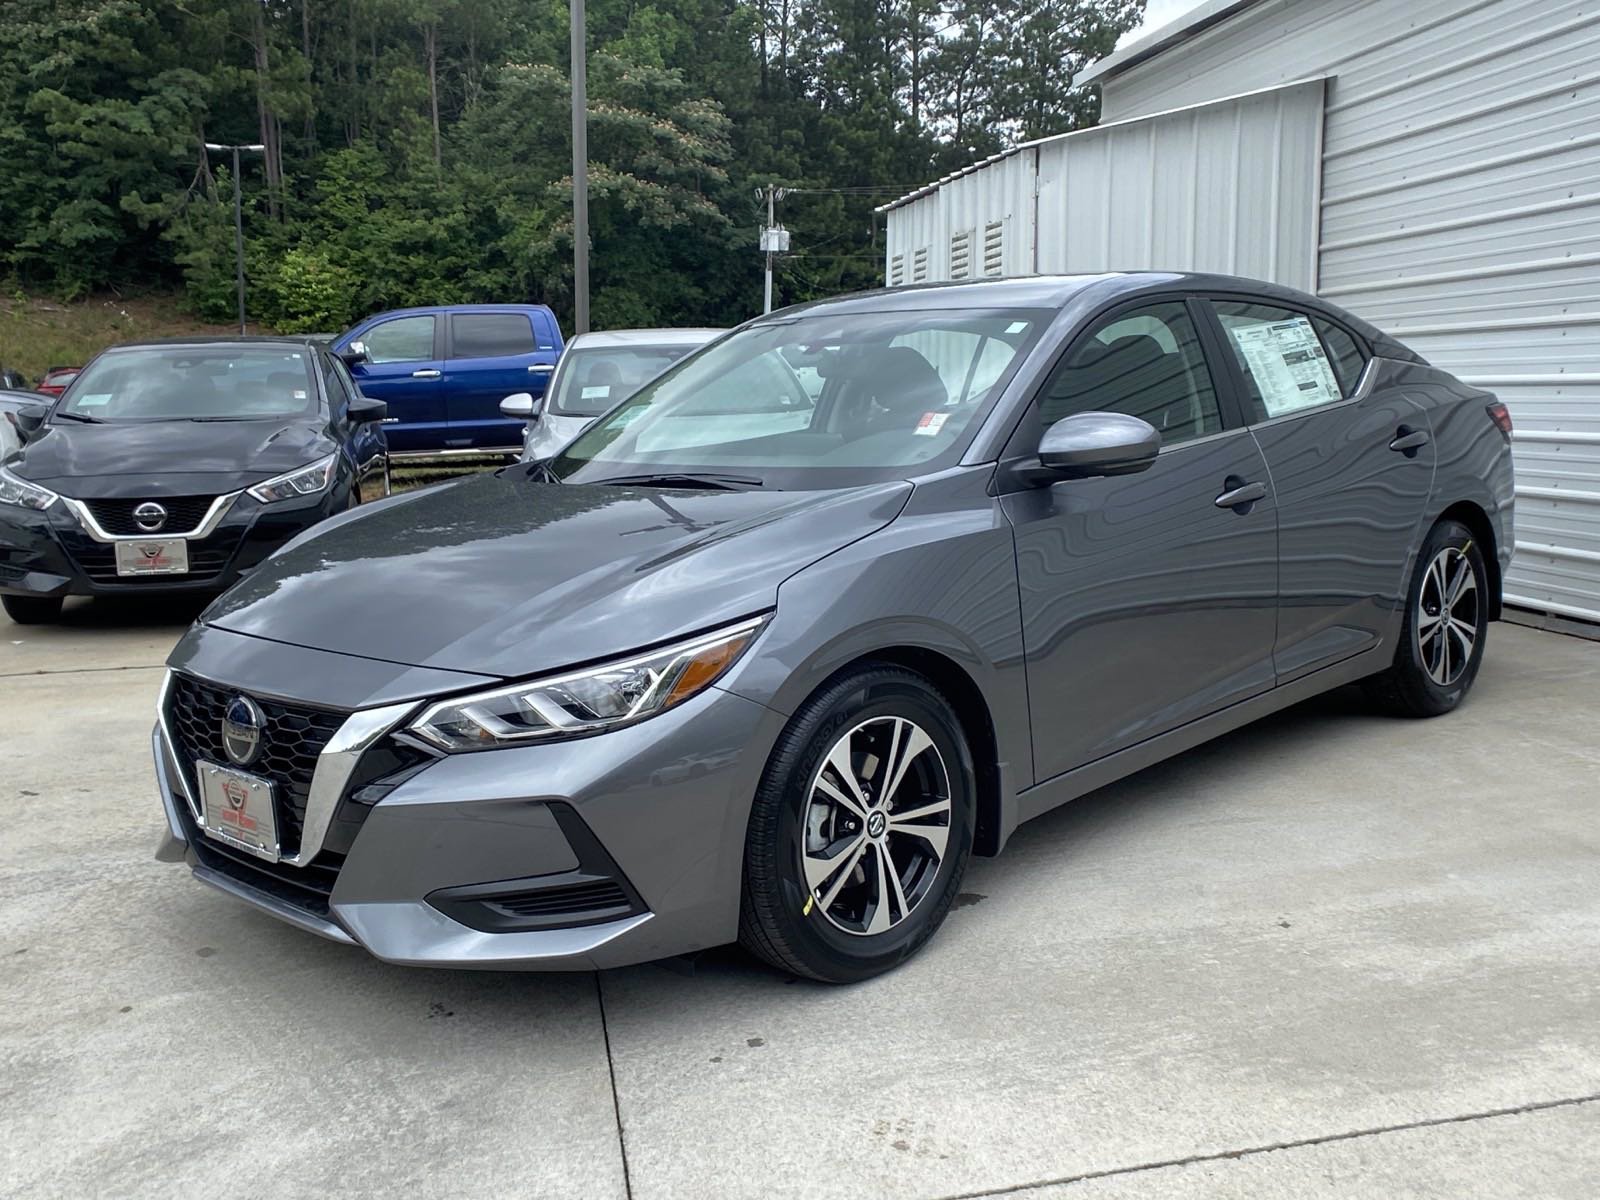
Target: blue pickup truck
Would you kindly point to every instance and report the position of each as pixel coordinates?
(443, 371)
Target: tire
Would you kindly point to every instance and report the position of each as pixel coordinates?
(1433, 672)
(824, 921)
(32, 610)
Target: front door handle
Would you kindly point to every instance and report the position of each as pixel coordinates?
(541, 368)
(1240, 495)
(428, 374)
(1408, 440)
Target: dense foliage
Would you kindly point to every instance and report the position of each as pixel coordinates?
(418, 150)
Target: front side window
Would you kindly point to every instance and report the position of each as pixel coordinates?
(591, 381)
(195, 383)
(404, 339)
(490, 335)
(1286, 370)
(813, 401)
(1147, 364)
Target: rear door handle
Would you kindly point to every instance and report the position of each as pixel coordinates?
(1408, 440)
(428, 374)
(1240, 495)
(541, 368)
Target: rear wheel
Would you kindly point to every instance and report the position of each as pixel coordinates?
(1446, 626)
(32, 610)
(861, 829)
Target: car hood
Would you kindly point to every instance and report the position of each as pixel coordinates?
(499, 575)
(167, 458)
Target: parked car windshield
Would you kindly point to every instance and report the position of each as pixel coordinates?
(192, 383)
(814, 402)
(592, 381)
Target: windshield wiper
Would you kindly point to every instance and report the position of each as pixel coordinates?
(682, 479)
(84, 417)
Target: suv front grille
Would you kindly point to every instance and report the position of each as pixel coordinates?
(293, 738)
(184, 514)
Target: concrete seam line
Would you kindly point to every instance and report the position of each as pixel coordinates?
(1297, 1144)
(616, 1101)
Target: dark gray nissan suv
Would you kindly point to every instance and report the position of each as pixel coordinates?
(834, 604)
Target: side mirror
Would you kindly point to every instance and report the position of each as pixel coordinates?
(29, 420)
(519, 407)
(364, 409)
(357, 353)
(1091, 444)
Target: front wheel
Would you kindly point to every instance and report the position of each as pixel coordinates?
(861, 828)
(1446, 626)
(32, 610)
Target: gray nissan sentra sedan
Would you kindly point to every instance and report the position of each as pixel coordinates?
(771, 663)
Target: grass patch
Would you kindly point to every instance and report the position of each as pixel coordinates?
(416, 473)
(37, 334)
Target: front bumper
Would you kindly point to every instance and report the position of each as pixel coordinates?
(52, 553)
(592, 853)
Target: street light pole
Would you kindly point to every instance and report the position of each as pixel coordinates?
(580, 171)
(238, 222)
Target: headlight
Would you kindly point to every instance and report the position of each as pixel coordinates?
(20, 492)
(587, 701)
(303, 481)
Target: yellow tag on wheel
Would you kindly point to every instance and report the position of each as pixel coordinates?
(806, 911)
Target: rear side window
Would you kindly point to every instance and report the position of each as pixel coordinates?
(1343, 351)
(404, 339)
(1286, 370)
(490, 335)
(1144, 364)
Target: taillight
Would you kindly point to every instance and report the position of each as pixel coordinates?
(1501, 417)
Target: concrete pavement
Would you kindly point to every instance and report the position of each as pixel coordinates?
(1330, 955)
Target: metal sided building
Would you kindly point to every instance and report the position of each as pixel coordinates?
(1432, 165)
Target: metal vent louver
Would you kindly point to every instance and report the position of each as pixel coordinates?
(993, 248)
(961, 255)
(919, 265)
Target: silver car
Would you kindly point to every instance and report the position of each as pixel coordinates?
(829, 607)
(597, 372)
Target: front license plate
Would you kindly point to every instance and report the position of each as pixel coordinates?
(239, 810)
(157, 556)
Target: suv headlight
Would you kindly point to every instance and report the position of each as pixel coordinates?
(302, 481)
(14, 490)
(587, 701)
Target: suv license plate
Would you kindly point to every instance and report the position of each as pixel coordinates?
(155, 556)
(239, 810)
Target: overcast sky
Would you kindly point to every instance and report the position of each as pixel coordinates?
(1156, 14)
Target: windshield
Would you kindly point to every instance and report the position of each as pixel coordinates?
(814, 402)
(591, 381)
(192, 383)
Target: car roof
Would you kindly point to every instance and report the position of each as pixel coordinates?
(1055, 291)
(246, 340)
(643, 337)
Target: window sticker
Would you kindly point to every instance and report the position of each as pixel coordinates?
(1288, 363)
(598, 392)
(299, 393)
(931, 424)
(94, 400)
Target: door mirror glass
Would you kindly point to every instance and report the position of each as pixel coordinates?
(1086, 445)
(357, 353)
(519, 407)
(29, 420)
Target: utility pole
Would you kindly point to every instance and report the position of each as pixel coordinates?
(774, 239)
(580, 171)
(238, 221)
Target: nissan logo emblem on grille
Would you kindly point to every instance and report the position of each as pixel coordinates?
(150, 517)
(242, 725)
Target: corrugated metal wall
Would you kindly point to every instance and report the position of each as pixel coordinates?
(1229, 187)
(1461, 210)
(1238, 181)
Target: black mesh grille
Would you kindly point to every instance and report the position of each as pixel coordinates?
(573, 899)
(290, 744)
(207, 557)
(184, 513)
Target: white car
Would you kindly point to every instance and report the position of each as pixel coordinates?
(597, 372)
